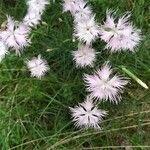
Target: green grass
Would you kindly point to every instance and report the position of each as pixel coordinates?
(34, 113)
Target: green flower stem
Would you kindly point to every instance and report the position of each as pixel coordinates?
(134, 77)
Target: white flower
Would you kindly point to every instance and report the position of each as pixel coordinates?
(15, 36)
(32, 18)
(35, 11)
(87, 115)
(87, 30)
(84, 56)
(3, 50)
(37, 6)
(121, 35)
(37, 66)
(83, 12)
(70, 5)
(103, 86)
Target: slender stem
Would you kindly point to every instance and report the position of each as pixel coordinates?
(139, 81)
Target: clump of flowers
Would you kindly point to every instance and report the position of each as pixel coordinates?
(86, 30)
(102, 85)
(16, 35)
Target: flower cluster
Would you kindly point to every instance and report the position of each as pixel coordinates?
(16, 36)
(119, 35)
(103, 84)
(86, 30)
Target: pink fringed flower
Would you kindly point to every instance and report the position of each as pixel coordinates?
(83, 12)
(37, 6)
(32, 18)
(35, 11)
(84, 56)
(15, 36)
(103, 86)
(121, 35)
(87, 115)
(37, 66)
(87, 30)
(70, 5)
